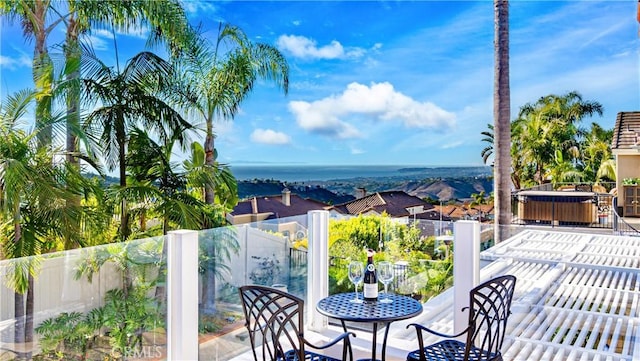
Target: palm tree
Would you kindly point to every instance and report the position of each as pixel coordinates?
(32, 204)
(502, 120)
(165, 17)
(155, 182)
(517, 166)
(221, 81)
(478, 199)
(33, 16)
(536, 136)
(563, 170)
(550, 125)
(219, 177)
(218, 246)
(128, 98)
(487, 151)
(596, 153)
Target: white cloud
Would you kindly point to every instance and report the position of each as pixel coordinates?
(195, 7)
(269, 136)
(297, 22)
(12, 63)
(137, 31)
(379, 101)
(452, 145)
(97, 42)
(303, 47)
(317, 117)
(132, 30)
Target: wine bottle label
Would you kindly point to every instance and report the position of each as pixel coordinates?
(370, 291)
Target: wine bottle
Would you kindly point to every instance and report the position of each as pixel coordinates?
(370, 292)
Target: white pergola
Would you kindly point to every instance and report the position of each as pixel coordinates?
(576, 297)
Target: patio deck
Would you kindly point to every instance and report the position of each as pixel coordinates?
(576, 298)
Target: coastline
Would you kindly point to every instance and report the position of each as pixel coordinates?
(331, 186)
(318, 173)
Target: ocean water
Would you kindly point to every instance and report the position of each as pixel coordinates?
(307, 173)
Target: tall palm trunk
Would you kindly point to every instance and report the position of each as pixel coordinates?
(502, 122)
(72, 54)
(29, 312)
(160, 293)
(42, 73)
(209, 150)
(124, 213)
(209, 284)
(18, 310)
(18, 299)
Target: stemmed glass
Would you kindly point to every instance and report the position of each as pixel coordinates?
(356, 273)
(385, 275)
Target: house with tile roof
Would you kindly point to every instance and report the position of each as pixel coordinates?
(256, 209)
(397, 204)
(625, 147)
(456, 212)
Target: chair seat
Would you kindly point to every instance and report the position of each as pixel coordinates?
(451, 350)
(291, 356)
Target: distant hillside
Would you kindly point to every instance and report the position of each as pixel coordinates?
(261, 188)
(451, 188)
(336, 192)
(341, 191)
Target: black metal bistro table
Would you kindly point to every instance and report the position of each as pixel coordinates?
(339, 306)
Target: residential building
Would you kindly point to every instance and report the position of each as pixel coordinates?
(257, 209)
(456, 212)
(398, 205)
(625, 146)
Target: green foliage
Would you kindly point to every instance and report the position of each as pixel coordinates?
(424, 276)
(431, 200)
(428, 279)
(266, 271)
(408, 238)
(126, 315)
(217, 246)
(547, 142)
(128, 312)
(363, 231)
(67, 333)
(631, 181)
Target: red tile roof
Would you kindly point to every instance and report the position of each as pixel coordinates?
(394, 203)
(626, 133)
(275, 206)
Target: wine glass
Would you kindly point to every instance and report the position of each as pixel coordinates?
(356, 273)
(385, 275)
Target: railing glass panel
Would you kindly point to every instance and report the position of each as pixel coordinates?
(92, 303)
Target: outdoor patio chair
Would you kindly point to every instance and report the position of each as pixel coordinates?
(274, 319)
(490, 305)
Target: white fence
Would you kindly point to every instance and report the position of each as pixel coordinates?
(56, 289)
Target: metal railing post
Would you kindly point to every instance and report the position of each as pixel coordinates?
(466, 269)
(318, 267)
(182, 295)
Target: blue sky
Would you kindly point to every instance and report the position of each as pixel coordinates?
(395, 82)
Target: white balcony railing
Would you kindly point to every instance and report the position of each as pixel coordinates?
(577, 294)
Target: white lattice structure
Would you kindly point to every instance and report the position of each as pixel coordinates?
(576, 297)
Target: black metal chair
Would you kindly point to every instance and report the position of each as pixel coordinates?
(490, 304)
(275, 322)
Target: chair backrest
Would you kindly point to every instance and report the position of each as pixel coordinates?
(490, 304)
(274, 319)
